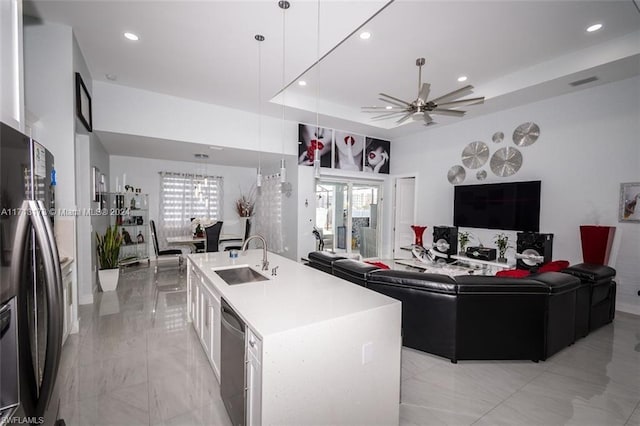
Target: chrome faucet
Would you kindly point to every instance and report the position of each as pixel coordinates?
(265, 262)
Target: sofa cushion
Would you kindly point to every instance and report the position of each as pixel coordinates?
(352, 270)
(416, 280)
(591, 272)
(324, 257)
(557, 282)
(474, 284)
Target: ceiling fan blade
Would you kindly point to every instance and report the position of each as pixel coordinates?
(393, 102)
(463, 91)
(424, 92)
(389, 115)
(395, 99)
(405, 118)
(379, 108)
(462, 102)
(452, 112)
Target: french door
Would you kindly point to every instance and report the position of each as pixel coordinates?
(348, 215)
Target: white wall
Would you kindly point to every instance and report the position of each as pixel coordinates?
(588, 145)
(126, 110)
(143, 173)
(49, 94)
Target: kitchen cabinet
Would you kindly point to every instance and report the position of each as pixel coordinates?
(12, 65)
(204, 312)
(253, 376)
(342, 339)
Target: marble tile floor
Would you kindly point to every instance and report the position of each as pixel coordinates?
(137, 361)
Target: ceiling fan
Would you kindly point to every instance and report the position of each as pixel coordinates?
(421, 108)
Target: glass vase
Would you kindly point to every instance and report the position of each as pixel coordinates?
(418, 231)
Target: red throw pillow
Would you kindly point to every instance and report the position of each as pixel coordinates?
(378, 264)
(513, 273)
(554, 266)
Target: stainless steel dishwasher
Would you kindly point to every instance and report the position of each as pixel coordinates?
(232, 364)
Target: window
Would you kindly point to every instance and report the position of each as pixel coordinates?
(185, 196)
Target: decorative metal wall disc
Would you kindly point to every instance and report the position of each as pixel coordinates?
(506, 161)
(497, 137)
(475, 155)
(481, 175)
(456, 174)
(526, 134)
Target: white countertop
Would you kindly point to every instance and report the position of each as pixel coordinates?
(298, 296)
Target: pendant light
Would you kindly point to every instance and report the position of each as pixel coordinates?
(259, 38)
(316, 156)
(284, 5)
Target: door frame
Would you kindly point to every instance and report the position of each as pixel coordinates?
(395, 179)
(350, 181)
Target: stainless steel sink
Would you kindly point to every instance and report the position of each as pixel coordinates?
(240, 275)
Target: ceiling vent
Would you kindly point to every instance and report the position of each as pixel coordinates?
(583, 81)
(201, 156)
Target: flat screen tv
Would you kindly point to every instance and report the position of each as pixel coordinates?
(513, 206)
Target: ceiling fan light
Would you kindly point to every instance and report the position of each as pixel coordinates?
(131, 36)
(594, 27)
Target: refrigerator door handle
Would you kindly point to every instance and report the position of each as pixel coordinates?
(31, 212)
(56, 257)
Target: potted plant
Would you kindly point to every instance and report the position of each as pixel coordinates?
(108, 248)
(502, 242)
(463, 239)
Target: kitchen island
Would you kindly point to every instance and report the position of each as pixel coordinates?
(319, 350)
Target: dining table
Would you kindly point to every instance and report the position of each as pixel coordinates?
(191, 241)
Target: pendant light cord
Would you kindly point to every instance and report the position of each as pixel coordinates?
(318, 74)
(284, 11)
(260, 104)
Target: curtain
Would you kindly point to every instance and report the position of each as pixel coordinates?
(185, 196)
(267, 219)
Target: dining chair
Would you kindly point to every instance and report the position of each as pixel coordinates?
(167, 254)
(247, 230)
(212, 237)
(199, 246)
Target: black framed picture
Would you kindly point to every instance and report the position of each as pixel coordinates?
(310, 138)
(348, 151)
(83, 103)
(377, 156)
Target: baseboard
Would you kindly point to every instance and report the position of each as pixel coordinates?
(628, 308)
(86, 299)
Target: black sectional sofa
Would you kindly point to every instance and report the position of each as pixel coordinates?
(471, 317)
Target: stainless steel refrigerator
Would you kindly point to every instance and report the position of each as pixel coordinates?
(31, 280)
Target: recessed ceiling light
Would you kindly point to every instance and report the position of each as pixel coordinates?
(217, 148)
(365, 35)
(131, 36)
(111, 77)
(594, 27)
(462, 78)
(388, 107)
(302, 83)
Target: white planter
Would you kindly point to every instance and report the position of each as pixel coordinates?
(108, 279)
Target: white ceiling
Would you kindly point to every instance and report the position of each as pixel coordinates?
(513, 52)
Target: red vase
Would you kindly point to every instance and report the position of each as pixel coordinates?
(418, 230)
